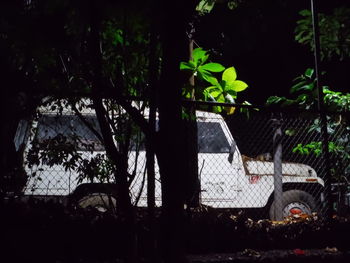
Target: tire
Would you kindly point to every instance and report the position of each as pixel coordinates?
(100, 202)
(295, 202)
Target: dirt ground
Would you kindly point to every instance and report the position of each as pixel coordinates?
(47, 232)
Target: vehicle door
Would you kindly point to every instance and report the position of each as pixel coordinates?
(217, 175)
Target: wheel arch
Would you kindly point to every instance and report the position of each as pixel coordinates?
(313, 189)
(88, 188)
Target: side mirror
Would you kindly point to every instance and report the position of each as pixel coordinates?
(232, 152)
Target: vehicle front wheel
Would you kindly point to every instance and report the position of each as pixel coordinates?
(295, 202)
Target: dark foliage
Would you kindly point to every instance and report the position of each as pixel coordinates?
(48, 231)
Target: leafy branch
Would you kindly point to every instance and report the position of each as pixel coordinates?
(334, 32)
(306, 97)
(306, 94)
(206, 6)
(224, 90)
(316, 148)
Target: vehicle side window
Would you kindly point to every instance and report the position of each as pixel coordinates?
(71, 128)
(211, 138)
(74, 130)
(137, 142)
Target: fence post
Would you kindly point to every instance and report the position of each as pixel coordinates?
(277, 163)
(321, 109)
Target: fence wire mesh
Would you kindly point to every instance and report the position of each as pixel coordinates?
(302, 143)
(236, 161)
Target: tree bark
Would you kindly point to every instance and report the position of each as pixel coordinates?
(125, 208)
(192, 177)
(150, 144)
(172, 144)
(15, 105)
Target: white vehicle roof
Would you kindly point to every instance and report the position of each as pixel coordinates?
(88, 109)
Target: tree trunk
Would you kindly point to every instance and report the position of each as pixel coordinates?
(172, 144)
(14, 106)
(8, 156)
(150, 149)
(192, 177)
(120, 160)
(126, 212)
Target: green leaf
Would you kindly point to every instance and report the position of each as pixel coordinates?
(199, 54)
(317, 152)
(237, 86)
(299, 78)
(220, 98)
(229, 75)
(232, 5)
(308, 87)
(303, 86)
(186, 91)
(187, 66)
(118, 37)
(275, 100)
(297, 148)
(207, 96)
(217, 109)
(233, 93)
(222, 84)
(207, 76)
(305, 12)
(301, 99)
(213, 88)
(205, 6)
(213, 67)
(309, 72)
(205, 58)
(297, 86)
(290, 132)
(215, 93)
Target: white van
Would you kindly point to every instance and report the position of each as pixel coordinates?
(227, 179)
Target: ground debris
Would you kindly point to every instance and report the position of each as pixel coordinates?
(285, 256)
(229, 235)
(250, 253)
(331, 250)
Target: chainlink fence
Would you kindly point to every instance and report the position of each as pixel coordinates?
(238, 162)
(302, 150)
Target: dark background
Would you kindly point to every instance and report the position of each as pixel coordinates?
(257, 39)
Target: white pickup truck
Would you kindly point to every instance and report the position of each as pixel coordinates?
(227, 179)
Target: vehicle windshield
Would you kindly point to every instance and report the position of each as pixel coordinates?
(211, 138)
